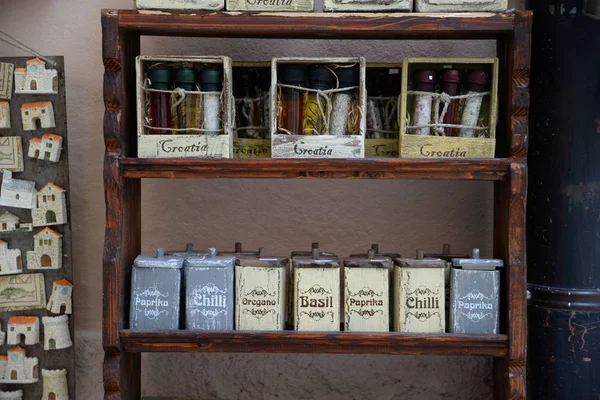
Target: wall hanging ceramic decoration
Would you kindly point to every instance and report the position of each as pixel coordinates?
(11, 395)
(6, 82)
(35, 189)
(17, 368)
(4, 115)
(55, 384)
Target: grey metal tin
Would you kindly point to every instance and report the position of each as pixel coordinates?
(475, 262)
(188, 252)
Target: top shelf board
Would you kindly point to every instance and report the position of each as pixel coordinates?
(318, 25)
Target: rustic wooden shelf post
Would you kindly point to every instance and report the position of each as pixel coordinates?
(123, 172)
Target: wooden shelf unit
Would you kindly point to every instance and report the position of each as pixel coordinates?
(123, 173)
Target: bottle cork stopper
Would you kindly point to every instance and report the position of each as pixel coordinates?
(477, 81)
(424, 80)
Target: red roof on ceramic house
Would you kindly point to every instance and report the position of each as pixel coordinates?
(3, 104)
(63, 282)
(52, 136)
(36, 140)
(36, 60)
(35, 104)
(17, 349)
(52, 185)
(22, 320)
(52, 231)
(20, 69)
(3, 358)
(2, 241)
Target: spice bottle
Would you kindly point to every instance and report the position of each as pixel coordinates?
(424, 82)
(160, 102)
(374, 125)
(389, 107)
(248, 112)
(341, 122)
(450, 81)
(316, 110)
(186, 103)
(291, 102)
(212, 85)
(477, 81)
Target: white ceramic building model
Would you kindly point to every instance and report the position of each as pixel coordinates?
(16, 367)
(47, 250)
(37, 111)
(24, 329)
(56, 333)
(4, 115)
(11, 395)
(10, 260)
(17, 193)
(51, 206)
(60, 299)
(36, 79)
(47, 148)
(2, 337)
(9, 223)
(55, 384)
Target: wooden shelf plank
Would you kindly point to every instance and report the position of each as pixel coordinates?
(488, 169)
(319, 25)
(313, 342)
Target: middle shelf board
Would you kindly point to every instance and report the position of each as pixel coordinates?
(314, 342)
(439, 169)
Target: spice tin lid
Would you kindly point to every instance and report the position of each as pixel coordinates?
(293, 75)
(314, 246)
(321, 78)
(424, 80)
(347, 77)
(375, 249)
(446, 254)
(262, 261)
(160, 78)
(160, 260)
(477, 263)
(211, 79)
(421, 261)
(370, 260)
(211, 260)
(188, 252)
(315, 260)
(477, 80)
(238, 251)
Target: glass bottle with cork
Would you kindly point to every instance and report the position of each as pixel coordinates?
(316, 109)
(187, 103)
(291, 104)
(342, 122)
(160, 102)
(211, 82)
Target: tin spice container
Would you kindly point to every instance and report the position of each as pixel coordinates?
(155, 292)
(419, 300)
(209, 292)
(366, 293)
(316, 292)
(475, 295)
(261, 292)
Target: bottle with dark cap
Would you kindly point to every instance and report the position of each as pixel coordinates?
(291, 102)
(450, 81)
(315, 108)
(423, 82)
(211, 82)
(160, 104)
(187, 103)
(340, 123)
(477, 81)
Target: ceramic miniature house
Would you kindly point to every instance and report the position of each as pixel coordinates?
(56, 333)
(23, 330)
(6, 83)
(4, 115)
(47, 148)
(51, 206)
(36, 79)
(60, 299)
(17, 192)
(55, 384)
(2, 336)
(36, 112)
(10, 260)
(16, 367)
(11, 395)
(47, 250)
(10, 223)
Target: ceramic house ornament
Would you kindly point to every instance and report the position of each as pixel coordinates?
(10, 223)
(51, 206)
(475, 295)
(419, 300)
(17, 368)
(6, 82)
(60, 299)
(36, 79)
(10, 260)
(261, 293)
(47, 250)
(17, 193)
(37, 112)
(55, 384)
(366, 293)
(11, 153)
(155, 292)
(4, 115)
(48, 147)
(11, 395)
(23, 330)
(209, 292)
(56, 333)
(2, 335)
(22, 292)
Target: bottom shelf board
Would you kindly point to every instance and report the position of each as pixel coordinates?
(314, 342)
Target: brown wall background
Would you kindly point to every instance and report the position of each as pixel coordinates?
(344, 216)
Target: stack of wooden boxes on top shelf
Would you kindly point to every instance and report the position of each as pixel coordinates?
(316, 291)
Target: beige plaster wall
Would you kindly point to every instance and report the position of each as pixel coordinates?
(345, 216)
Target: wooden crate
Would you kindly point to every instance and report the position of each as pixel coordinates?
(185, 146)
(180, 5)
(422, 146)
(270, 5)
(321, 146)
(460, 5)
(368, 5)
